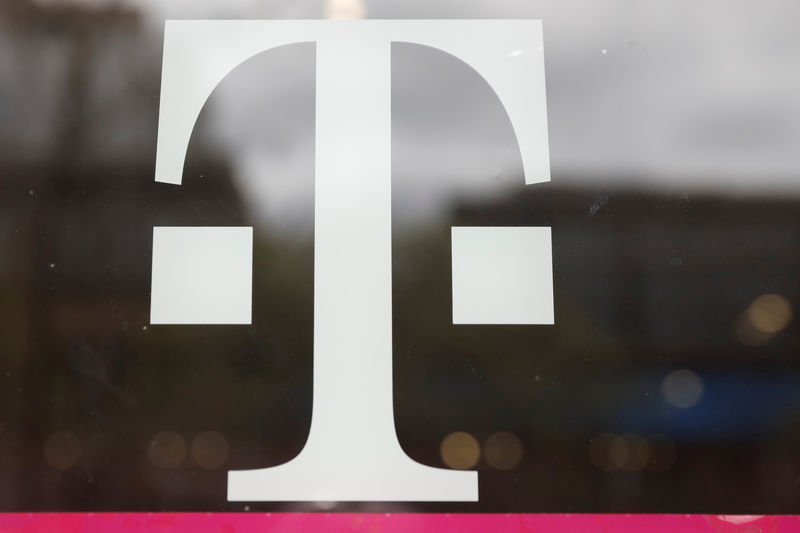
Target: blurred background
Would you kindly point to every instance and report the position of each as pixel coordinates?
(670, 381)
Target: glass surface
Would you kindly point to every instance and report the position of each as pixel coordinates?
(669, 382)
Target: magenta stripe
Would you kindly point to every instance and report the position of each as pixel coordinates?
(389, 523)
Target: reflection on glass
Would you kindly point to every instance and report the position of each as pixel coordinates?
(668, 384)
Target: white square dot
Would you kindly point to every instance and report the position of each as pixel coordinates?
(502, 275)
(202, 275)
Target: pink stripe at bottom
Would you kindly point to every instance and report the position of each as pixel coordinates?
(390, 523)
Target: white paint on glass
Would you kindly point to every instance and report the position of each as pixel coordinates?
(502, 275)
(202, 275)
(352, 452)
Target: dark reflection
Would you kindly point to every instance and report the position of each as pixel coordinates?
(667, 384)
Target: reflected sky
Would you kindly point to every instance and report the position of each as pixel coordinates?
(690, 94)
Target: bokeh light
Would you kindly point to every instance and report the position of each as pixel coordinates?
(167, 449)
(618, 452)
(460, 450)
(638, 452)
(770, 313)
(682, 388)
(766, 316)
(631, 452)
(210, 450)
(599, 452)
(748, 334)
(503, 450)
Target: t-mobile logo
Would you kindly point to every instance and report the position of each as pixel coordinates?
(501, 275)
